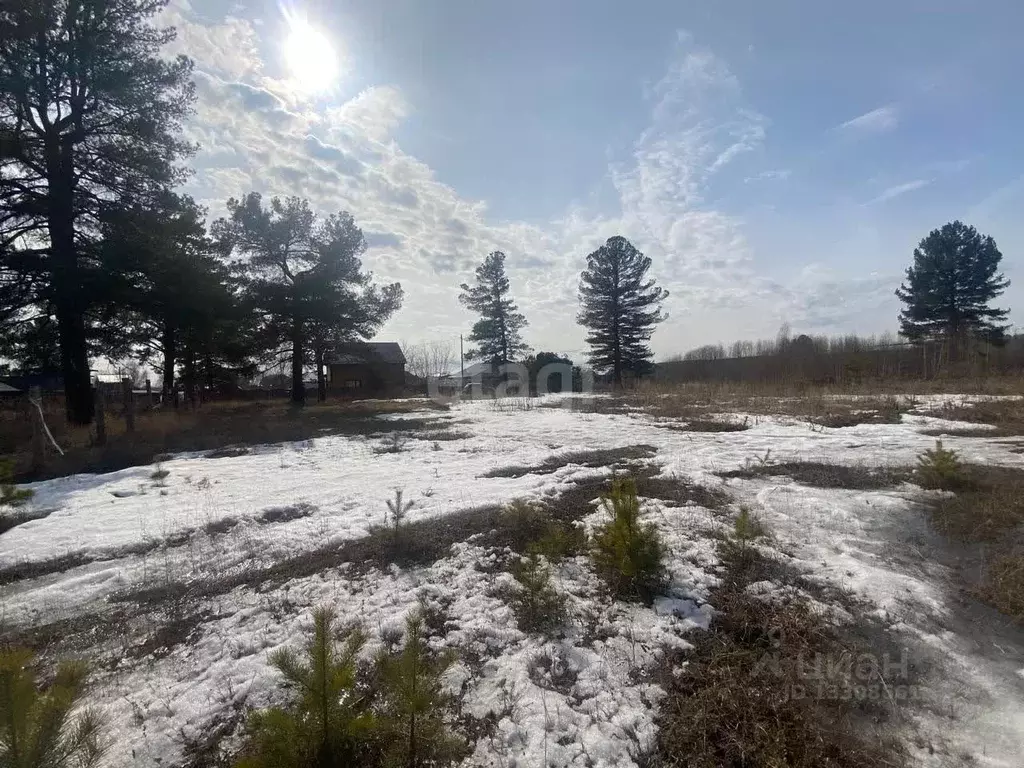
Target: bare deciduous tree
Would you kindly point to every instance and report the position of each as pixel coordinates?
(429, 359)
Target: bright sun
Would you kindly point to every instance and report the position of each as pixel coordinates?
(310, 57)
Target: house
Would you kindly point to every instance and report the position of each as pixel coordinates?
(366, 369)
(477, 379)
(47, 381)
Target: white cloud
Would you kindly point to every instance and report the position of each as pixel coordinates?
(779, 174)
(900, 189)
(255, 134)
(228, 48)
(876, 121)
(374, 113)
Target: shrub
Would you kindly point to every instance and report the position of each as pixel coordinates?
(10, 494)
(941, 468)
(538, 606)
(559, 540)
(1004, 585)
(523, 514)
(36, 726)
(891, 410)
(747, 528)
(627, 553)
(159, 474)
(330, 724)
(393, 443)
(414, 703)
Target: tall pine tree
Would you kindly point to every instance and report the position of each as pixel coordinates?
(304, 276)
(620, 308)
(90, 112)
(497, 332)
(949, 287)
(179, 305)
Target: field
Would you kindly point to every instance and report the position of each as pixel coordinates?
(819, 608)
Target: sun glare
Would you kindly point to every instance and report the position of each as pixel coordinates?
(310, 57)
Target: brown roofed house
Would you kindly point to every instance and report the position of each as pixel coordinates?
(366, 369)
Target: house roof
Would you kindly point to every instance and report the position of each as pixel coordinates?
(485, 368)
(366, 352)
(7, 389)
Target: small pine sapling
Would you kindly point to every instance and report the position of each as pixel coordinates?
(941, 468)
(415, 703)
(330, 724)
(10, 494)
(628, 553)
(538, 606)
(37, 729)
(397, 511)
(747, 528)
(559, 540)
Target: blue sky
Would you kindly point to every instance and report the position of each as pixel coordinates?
(777, 160)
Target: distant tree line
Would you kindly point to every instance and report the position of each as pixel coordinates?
(947, 327)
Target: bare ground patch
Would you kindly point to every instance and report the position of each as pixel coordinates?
(596, 458)
(220, 429)
(824, 475)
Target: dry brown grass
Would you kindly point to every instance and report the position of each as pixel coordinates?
(1007, 416)
(744, 697)
(213, 426)
(988, 509)
(989, 514)
(717, 391)
(699, 405)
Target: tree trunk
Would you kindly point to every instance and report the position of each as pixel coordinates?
(68, 297)
(169, 342)
(208, 365)
(190, 376)
(321, 380)
(298, 390)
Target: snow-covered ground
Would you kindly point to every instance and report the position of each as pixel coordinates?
(210, 518)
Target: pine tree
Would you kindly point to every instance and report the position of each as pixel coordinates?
(90, 112)
(497, 332)
(415, 703)
(37, 729)
(175, 289)
(949, 287)
(628, 553)
(305, 277)
(330, 724)
(620, 307)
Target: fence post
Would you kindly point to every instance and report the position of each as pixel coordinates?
(101, 417)
(38, 431)
(129, 405)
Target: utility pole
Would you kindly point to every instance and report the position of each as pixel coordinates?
(462, 364)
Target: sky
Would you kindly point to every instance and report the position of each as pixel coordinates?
(777, 161)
